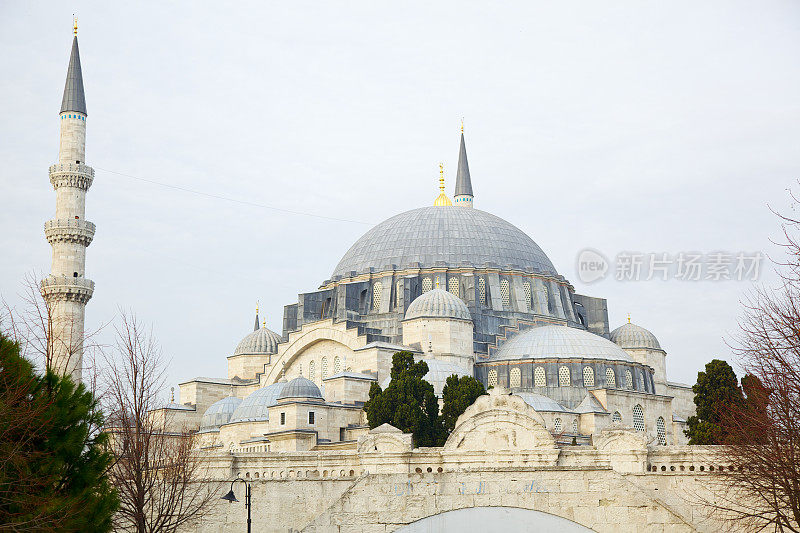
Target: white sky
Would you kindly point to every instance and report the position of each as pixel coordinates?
(647, 126)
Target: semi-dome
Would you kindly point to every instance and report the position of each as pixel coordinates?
(261, 341)
(438, 303)
(540, 402)
(220, 412)
(632, 336)
(438, 372)
(255, 407)
(549, 342)
(444, 235)
(300, 387)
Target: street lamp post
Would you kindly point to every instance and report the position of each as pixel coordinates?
(230, 497)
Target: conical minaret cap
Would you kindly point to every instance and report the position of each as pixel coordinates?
(463, 181)
(74, 98)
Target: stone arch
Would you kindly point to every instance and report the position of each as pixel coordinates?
(494, 520)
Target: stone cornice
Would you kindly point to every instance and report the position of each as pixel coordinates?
(66, 230)
(75, 175)
(67, 289)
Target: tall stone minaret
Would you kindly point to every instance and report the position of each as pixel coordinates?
(67, 290)
(463, 196)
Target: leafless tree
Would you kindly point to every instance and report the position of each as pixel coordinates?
(759, 486)
(160, 480)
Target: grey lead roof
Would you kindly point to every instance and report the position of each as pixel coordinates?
(463, 181)
(444, 236)
(556, 341)
(74, 98)
(438, 303)
(633, 336)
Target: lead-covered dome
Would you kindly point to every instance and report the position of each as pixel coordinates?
(255, 407)
(560, 342)
(632, 336)
(438, 372)
(219, 413)
(438, 303)
(456, 236)
(261, 341)
(300, 387)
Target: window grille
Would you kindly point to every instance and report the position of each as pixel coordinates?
(611, 379)
(377, 291)
(311, 369)
(564, 377)
(628, 379)
(505, 293)
(337, 364)
(452, 286)
(575, 427)
(492, 378)
(526, 286)
(427, 284)
(515, 378)
(662, 431)
(616, 417)
(588, 376)
(557, 426)
(324, 367)
(482, 290)
(539, 378)
(638, 418)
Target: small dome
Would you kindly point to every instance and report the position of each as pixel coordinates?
(438, 303)
(300, 387)
(261, 341)
(553, 342)
(633, 336)
(540, 402)
(438, 372)
(255, 408)
(220, 412)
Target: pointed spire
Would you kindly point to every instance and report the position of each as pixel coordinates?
(255, 328)
(463, 194)
(74, 98)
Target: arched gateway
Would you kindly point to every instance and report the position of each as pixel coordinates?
(494, 520)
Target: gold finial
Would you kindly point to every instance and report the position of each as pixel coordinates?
(74, 24)
(256, 306)
(462, 124)
(264, 323)
(442, 199)
(629, 318)
(437, 282)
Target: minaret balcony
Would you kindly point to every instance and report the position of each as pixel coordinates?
(68, 230)
(75, 289)
(71, 175)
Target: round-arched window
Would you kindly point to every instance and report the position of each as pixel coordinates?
(526, 287)
(337, 364)
(377, 291)
(492, 380)
(324, 367)
(427, 284)
(628, 379)
(452, 286)
(557, 426)
(482, 290)
(638, 418)
(661, 429)
(539, 378)
(588, 376)
(611, 379)
(311, 370)
(564, 377)
(515, 377)
(575, 427)
(505, 293)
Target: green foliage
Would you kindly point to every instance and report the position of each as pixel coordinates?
(716, 389)
(408, 403)
(54, 458)
(458, 394)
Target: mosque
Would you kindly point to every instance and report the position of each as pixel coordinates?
(581, 430)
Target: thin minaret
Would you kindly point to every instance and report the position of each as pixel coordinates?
(67, 290)
(463, 195)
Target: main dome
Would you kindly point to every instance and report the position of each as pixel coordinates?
(453, 236)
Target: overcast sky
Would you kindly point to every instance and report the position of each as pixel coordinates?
(639, 126)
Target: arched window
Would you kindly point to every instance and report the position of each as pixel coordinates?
(337, 364)
(311, 370)
(398, 293)
(628, 379)
(324, 367)
(505, 293)
(661, 429)
(575, 426)
(616, 417)
(452, 286)
(564, 377)
(515, 377)
(377, 291)
(588, 376)
(557, 426)
(526, 287)
(638, 418)
(611, 379)
(492, 378)
(539, 378)
(427, 284)
(482, 290)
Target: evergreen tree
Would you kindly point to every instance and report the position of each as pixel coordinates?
(716, 390)
(53, 457)
(458, 394)
(408, 403)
